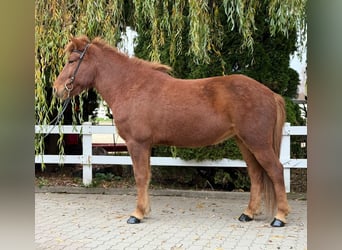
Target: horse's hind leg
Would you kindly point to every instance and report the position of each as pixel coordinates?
(255, 173)
(274, 169)
(140, 155)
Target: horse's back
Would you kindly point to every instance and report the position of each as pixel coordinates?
(246, 87)
(238, 96)
(207, 111)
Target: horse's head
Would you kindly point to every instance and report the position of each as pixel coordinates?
(78, 73)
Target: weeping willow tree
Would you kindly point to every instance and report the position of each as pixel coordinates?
(55, 22)
(162, 20)
(267, 62)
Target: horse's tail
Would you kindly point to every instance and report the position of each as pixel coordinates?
(269, 193)
(278, 130)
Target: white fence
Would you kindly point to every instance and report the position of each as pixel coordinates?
(87, 158)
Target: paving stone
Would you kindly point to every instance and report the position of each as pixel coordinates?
(98, 221)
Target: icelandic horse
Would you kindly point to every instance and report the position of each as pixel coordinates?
(150, 107)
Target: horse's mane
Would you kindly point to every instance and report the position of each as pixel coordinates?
(154, 65)
(103, 45)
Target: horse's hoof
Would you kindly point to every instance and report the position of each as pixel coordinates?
(133, 220)
(245, 218)
(277, 223)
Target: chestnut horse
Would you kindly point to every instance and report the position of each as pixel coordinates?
(150, 107)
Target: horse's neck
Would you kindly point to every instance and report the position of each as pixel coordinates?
(112, 79)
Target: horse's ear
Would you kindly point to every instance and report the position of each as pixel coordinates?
(71, 45)
(79, 42)
(76, 42)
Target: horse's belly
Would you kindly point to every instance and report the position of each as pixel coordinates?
(197, 135)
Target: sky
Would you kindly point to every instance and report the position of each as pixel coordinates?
(299, 63)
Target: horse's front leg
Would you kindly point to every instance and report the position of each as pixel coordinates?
(255, 172)
(140, 154)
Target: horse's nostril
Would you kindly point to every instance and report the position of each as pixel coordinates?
(54, 90)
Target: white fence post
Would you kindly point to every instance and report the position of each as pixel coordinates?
(87, 153)
(285, 153)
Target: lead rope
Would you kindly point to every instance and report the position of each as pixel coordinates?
(58, 117)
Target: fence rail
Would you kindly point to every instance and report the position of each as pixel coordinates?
(87, 158)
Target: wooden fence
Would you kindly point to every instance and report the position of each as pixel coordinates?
(87, 158)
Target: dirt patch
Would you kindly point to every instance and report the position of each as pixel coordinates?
(71, 176)
(299, 180)
(122, 177)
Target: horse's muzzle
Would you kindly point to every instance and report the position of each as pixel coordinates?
(61, 94)
(57, 93)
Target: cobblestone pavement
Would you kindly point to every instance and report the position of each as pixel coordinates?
(98, 221)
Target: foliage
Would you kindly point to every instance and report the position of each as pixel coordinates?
(236, 179)
(226, 149)
(42, 182)
(175, 176)
(191, 30)
(205, 21)
(269, 64)
(293, 113)
(101, 178)
(55, 22)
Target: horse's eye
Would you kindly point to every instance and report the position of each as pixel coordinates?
(71, 61)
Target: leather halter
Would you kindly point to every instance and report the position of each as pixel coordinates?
(69, 85)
